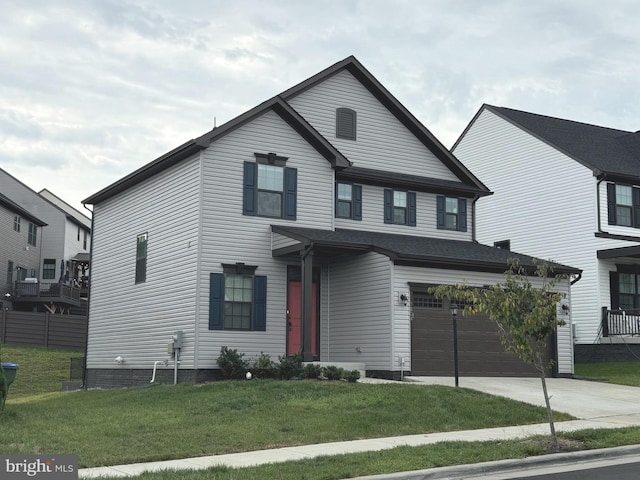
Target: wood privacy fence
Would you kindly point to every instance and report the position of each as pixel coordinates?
(43, 329)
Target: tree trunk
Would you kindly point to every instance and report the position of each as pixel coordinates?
(554, 437)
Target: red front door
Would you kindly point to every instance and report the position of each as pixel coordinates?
(294, 318)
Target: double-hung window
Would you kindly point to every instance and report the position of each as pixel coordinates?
(49, 269)
(238, 299)
(349, 201)
(625, 287)
(451, 213)
(16, 223)
(270, 187)
(32, 239)
(400, 207)
(623, 205)
(141, 258)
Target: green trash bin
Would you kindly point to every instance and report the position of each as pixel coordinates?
(9, 370)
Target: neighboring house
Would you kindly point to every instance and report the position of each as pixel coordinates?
(63, 241)
(311, 224)
(20, 251)
(570, 192)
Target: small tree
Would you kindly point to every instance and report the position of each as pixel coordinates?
(526, 316)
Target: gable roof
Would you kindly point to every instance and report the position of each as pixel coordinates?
(353, 66)
(413, 250)
(15, 208)
(605, 151)
(279, 105)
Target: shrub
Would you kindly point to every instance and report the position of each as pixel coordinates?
(232, 364)
(290, 366)
(312, 370)
(333, 373)
(263, 367)
(352, 376)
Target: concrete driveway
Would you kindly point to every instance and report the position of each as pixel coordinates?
(595, 401)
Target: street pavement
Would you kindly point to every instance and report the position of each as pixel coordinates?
(594, 404)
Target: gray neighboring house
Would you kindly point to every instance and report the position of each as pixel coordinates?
(53, 281)
(569, 191)
(311, 224)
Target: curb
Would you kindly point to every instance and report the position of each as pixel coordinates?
(511, 465)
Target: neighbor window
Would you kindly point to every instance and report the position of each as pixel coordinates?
(349, 201)
(623, 205)
(270, 187)
(49, 269)
(625, 287)
(451, 213)
(141, 258)
(9, 272)
(16, 223)
(78, 233)
(400, 207)
(33, 234)
(237, 299)
(84, 241)
(346, 123)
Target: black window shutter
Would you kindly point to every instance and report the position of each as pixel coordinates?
(259, 303)
(614, 290)
(411, 209)
(611, 203)
(440, 213)
(462, 214)
(388, 205)
(216, 301)
(636, 207)
(250, 188)
(356, 191)
(290, 192)
(335, 201)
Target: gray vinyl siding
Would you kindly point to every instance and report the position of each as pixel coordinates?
(360, 316)
(14, 248)
(426, 217)
(544, 203)
(281, 241)
(402, 329)
(230, 237)
(382, 142)
(136, 321)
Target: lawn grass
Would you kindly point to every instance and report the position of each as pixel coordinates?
(402, 459)
(623, 373)
(167, 422)
(40, 370)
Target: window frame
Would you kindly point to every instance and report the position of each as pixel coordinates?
(614, 208)
(32, 237)
(16, 223)
(251, 190)
(355, 203)
(10, 272)
(49, 269)
(410, 209)
(142, 250)
(442, 213)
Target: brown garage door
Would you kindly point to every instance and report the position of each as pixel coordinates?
(480, 352)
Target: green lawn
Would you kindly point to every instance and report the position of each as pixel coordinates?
(623, 373)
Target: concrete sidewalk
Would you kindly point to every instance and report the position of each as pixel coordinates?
(596, 405)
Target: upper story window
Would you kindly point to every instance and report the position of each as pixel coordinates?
(346, 123)
(451, 213)
(32, 239)
(9, 272)
(49, 269)
(78, 233)
(348, 201)
(237, 299)
(400, 207)
(270, 187)
(84, 241)
(623, 202)
(141, 258)
(16, 223)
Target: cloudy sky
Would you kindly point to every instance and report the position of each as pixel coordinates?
(91, 90)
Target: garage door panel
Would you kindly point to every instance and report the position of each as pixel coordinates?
(480, 351)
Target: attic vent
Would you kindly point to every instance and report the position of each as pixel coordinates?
(346, 123)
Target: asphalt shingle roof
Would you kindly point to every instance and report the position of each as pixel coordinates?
(455, 254)
(603, 150)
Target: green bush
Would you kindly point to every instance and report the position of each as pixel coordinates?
(312, 370)
(290, 367)
(232, 364)
(333, 373)
(352, 376)
(263, 367)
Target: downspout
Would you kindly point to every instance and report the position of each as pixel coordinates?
(473, 218)
(86, 340)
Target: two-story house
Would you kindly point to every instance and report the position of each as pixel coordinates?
(312, 224)
(63, 242)
(568, 191)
